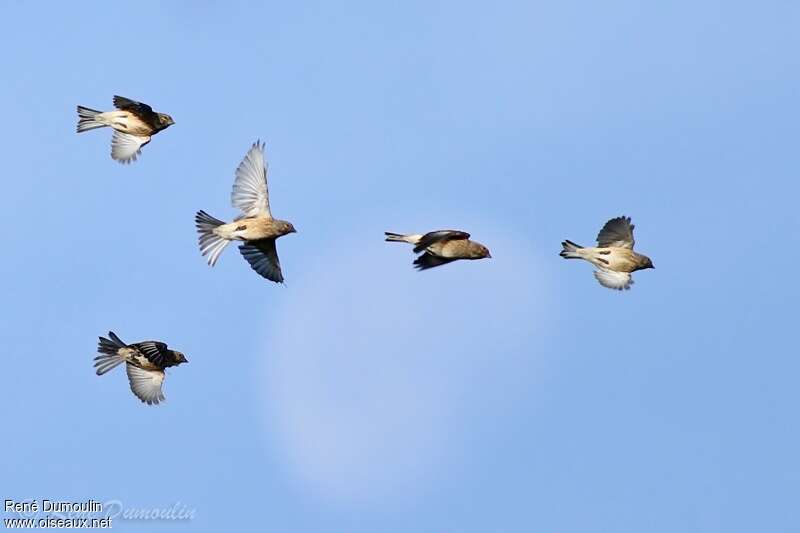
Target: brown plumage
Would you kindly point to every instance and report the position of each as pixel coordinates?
(255, 226)
(441, 247)
(613, 256)
(144, 362)
(134, 124)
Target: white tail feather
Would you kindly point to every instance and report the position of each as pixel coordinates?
(211, 244)
(87, 119)
(570, 250)
(104, 363)
(399, 237)
(109, 354)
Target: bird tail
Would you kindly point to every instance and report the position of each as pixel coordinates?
(109, 353)
(570, 250)
(399, 237)
(87, 119)
(211, 244)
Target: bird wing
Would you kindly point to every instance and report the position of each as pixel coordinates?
(155, 352)
(437, 236)
(263, 258)
(617, 233)
(428, 260)
(614, 280)
(146, 384)
(126, 104)
(250, 193)
(125, 147)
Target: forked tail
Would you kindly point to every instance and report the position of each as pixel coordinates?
(109, 353)
(399, 237)
(87, 119)
(211, 244)
(570, 250)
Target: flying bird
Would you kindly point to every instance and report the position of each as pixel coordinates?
(144, 362)
(134, 123)
(255, 226)
(441, 247)
(613, 256)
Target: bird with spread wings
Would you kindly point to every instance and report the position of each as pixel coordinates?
(613, 256)
(144, 363)
(134, 124)
(255, 227)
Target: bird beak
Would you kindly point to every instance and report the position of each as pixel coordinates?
(488, 255)
(293, 230)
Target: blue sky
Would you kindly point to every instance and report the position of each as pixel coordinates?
(511, 394)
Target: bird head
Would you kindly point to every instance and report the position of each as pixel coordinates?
(288, 228)
(180, 358)
(647, 263)
(165, 120)
(479, 251)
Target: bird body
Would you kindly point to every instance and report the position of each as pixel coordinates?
(256, 226)
(133, 356)
(126, 122)
(617, 259)
(134, 123)
(253, 229)
(614, 257)
(144, 363)
(441, 247)
(456, 249)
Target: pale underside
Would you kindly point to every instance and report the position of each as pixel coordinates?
(144, 375)
(146, 384)
(614, 280)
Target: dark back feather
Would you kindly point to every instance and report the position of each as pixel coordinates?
(438, 236)
(142, 111)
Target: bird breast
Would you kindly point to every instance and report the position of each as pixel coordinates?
(617, 259)
(454, 249)
(127, 122)
(250, 229)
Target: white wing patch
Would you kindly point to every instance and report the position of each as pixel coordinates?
(614, 280)
(125, 147)
(146, 384)
(250, 187)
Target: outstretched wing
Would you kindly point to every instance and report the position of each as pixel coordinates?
(263, 258)
(428, 260)
(125, 147)
(126, 104)
(437, 236)
(155, 352)
(614, 280)
(146, 384)
(617, 233)
(250, 193)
